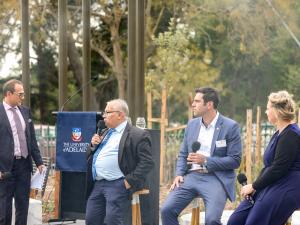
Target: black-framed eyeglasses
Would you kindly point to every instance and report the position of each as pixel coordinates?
(20, 94)
(109, 112)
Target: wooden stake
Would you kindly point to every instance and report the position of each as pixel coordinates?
(299, 117)
(162, 133)
(57, 194)
(248, 152)
(190, 112)
(258, 138)
(149, 110)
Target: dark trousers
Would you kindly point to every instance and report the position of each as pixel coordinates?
(17, 187)
(109, 200)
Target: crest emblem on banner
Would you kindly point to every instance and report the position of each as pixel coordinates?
(76, 134)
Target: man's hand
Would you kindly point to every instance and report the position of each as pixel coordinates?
(195, 158)
(176, 182)
(127, 185)
(41, 168)
(96, 139)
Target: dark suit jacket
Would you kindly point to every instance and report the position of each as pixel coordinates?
(135, 158)
(7, 141)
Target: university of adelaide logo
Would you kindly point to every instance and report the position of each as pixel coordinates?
(76, 134)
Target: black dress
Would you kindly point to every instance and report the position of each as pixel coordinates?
(278, 185)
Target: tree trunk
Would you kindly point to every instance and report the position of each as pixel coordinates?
(118, 63)
(76, 66)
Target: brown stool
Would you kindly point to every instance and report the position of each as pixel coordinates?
(135, 206)
(195, 211)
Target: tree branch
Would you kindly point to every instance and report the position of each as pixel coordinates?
(103, 54)
(161, 13)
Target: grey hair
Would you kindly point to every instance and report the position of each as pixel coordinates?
(121, 105)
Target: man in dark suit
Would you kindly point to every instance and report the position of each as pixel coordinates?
(18, 147)
(117, 166)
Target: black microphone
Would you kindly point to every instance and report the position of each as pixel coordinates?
(101, 127)
(83, 86)
(5, 175)
(242, 179)
(195, 147)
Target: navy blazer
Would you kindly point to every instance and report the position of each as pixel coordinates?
(223, 159)
(7, 141)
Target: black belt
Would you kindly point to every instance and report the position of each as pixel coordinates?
(18, 157)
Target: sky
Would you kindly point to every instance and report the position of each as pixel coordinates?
(10, 61)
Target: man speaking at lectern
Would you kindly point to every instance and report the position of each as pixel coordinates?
(119, 160)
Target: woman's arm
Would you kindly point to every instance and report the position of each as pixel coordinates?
(287, 149)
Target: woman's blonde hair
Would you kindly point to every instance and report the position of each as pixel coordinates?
(284, 104)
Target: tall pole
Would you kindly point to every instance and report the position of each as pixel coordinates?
(62, 70)
(86, 72)
(25, 50)
(131, 58)
(140, 61)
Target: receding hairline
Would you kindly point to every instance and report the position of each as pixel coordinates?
(10, 85)
(120, 104)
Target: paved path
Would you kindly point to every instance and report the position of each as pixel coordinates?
(186, 219)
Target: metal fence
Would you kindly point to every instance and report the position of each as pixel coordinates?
(174, 139)
(46, 138)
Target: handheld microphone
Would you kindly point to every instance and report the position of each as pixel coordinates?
(242, 179)
(5, 175)
(70, 98)
(195, 147)
(101, 127)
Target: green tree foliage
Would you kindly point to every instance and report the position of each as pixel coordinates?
(177, 66)
(252, 49)
(239, 47)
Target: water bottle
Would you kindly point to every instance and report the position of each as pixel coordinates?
(140, 122)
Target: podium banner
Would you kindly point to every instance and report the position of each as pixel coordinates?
(74, 134)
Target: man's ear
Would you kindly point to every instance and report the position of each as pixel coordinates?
(210, 104)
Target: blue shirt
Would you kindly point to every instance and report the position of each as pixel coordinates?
(107, 166)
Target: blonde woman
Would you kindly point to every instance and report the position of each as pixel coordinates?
(276, 191)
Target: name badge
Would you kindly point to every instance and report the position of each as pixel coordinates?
(221, 143)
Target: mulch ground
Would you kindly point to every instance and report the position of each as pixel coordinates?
(48, 200)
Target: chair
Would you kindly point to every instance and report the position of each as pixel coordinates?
(135, 206)
(195, 211)
(47, 164)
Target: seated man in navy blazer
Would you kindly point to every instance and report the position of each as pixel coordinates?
(18, 147)
(117, 166)
(210, 152)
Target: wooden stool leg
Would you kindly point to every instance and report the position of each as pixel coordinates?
(135, 206)
(193, 216)
(197, 216)
(138, 213)
(195, 212)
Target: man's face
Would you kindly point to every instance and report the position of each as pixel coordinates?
(200, 108)
(16, 97)
(112, 116)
